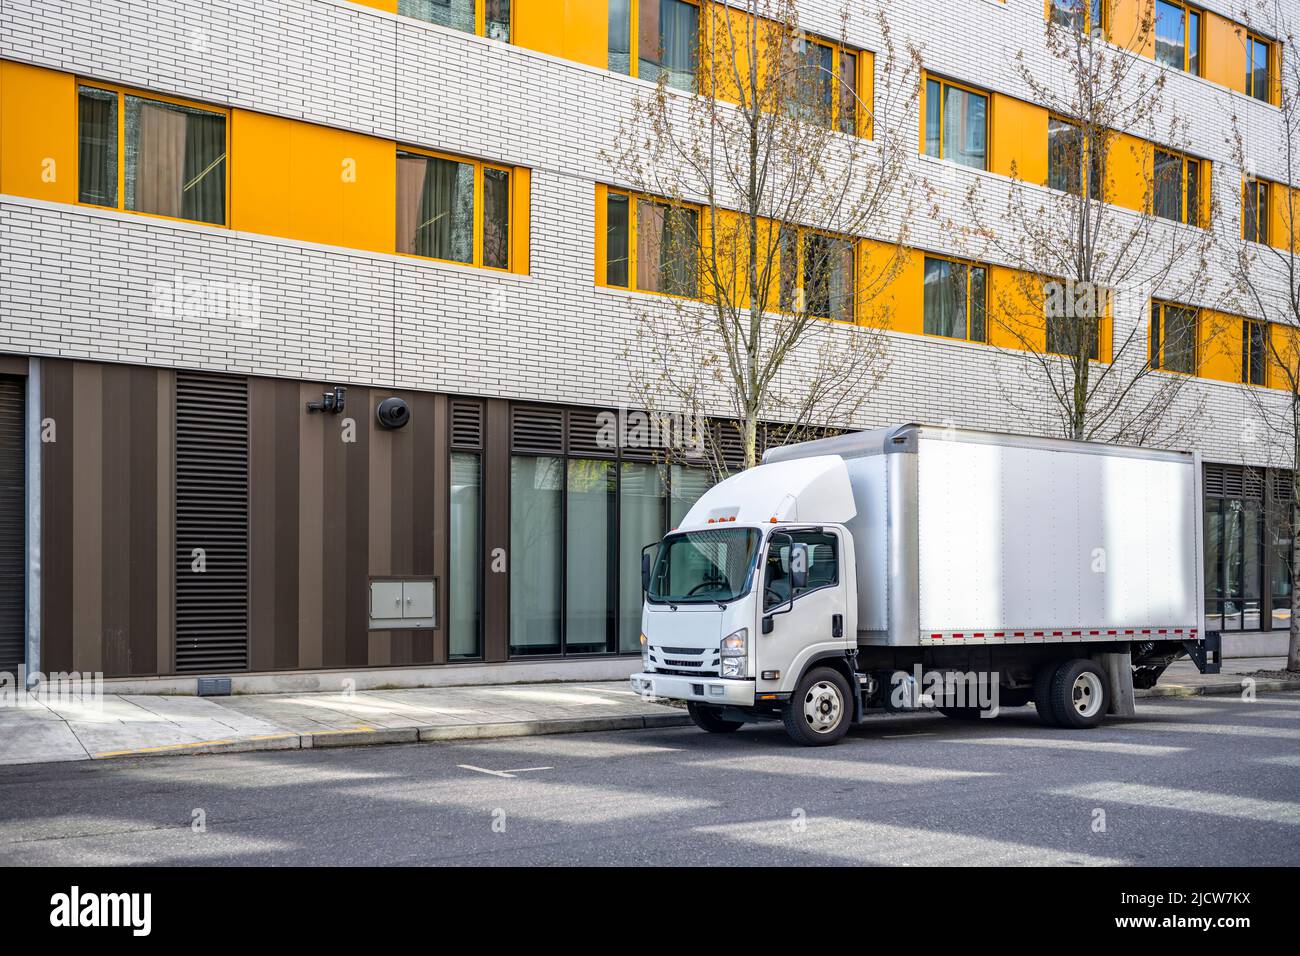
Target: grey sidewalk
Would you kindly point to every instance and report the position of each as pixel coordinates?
(148, 724)
(132, 726)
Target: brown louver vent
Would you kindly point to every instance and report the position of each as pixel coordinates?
(211, 514)
(466, 424)
(537, 431)
(13, 510)
(1233, 481)
(585, 436)
(730, 445)
(1283, 486)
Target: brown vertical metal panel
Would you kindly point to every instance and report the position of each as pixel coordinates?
(115, 520)
(263, 461)
(333, 477)
(165, 483)
(356, 581)
(56, 519)
(496, 529)
(311, 505)
(13, 530)
(143, 533)
(432, 482)
(87, 516)
(288, 424)
(380, 650)
(13, 365)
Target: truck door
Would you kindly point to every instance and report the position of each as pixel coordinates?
(817, 617)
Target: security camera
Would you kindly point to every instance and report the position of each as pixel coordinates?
(331, 402)
(393, 413)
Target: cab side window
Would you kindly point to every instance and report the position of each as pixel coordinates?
(823, 566)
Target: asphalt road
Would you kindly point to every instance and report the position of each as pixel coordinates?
(1206, 781)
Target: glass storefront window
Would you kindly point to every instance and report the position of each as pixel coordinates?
(641, 496)
(536, 554)
(465, 573)
(589, 557)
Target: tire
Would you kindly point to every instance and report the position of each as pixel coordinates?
(820, 708)
(1080, 694)
(1043, 693)
(710, 719)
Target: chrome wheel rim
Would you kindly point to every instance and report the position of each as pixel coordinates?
(1086, 694)
(823, 708)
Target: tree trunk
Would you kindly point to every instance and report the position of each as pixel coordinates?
(751, 442)
(1293, 647)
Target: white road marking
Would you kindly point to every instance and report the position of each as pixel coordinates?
(1057, 743)
(501, 773)
(1187, 801)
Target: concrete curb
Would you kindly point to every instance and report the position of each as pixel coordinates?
(1203, 690)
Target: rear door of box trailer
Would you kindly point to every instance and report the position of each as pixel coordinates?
(1032, 540)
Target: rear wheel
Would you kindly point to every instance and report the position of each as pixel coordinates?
(1043, 692)
(1080, 694)
(710, 719)
(819, 710)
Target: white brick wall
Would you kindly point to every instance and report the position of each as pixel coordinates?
(87, 283)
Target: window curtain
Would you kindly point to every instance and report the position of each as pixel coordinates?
(677, 262)
(616, 239)
(1168, 186)
(620, 36)
(945, 298)
(679, 41)
(496, 218)
(496, 20)
(1170, 35)
(828, 277)
(1065, 156)
(204, 191)
(848, 94)
(441, 222)
(155, 167)
(97, 147)
(965, 120)
(933, 110)
(1180, 340)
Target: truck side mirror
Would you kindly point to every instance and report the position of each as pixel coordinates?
(646, 561)
(798, 567)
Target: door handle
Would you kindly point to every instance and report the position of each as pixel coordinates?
(837, 625)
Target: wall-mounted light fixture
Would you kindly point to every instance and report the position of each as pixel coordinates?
(331, 402)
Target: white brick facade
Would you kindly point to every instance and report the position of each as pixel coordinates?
(80, 282)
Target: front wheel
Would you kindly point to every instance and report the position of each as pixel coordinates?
(819, 710)
(710, 719)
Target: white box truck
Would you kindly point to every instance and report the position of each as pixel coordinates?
(913, 567)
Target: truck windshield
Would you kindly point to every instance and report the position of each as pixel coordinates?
(699, 567)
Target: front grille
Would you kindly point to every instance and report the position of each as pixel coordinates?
(683, 650)
(672, 663)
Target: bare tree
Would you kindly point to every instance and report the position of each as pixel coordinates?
(1266, 270)
(1119, 215)
(751, 201)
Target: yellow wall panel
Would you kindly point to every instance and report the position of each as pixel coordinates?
(389, 6)
(1019, 134)
(1219, 346)
(1225, 52)
(1015, 310)
(575, 30)
(520, 219)
(1130, 164)
(312, 183)
(899, 305)
(1132, 25)
(38, 133)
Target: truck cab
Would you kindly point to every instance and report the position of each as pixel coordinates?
(755, 586)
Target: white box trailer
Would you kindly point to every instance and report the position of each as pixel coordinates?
(861, 570)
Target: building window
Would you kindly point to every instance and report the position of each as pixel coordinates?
(590, 579)
(537, 551)
(1254, 352)
(1255, 212)
(642, 501)
(465, 571)
(437, 215)
(1234, 548)
(1083, 16)
(1069, 160)
(1177, 187)
(825, 88)
(487, 18)
(1070, 335)
(655, 38)
(1258, 68)
(1173, 338)
(956, 299)
(150, 155)
(1178, 36)
(956, 124)
(817, 275)
(651, 245)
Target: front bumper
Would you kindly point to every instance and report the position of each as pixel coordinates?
(709, 690)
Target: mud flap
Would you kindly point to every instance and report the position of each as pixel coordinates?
(1119, 675)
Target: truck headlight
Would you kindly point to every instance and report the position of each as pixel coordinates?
(735, 653)
(645, 654)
